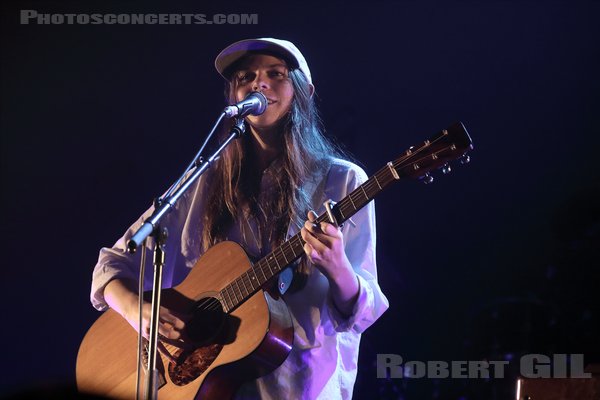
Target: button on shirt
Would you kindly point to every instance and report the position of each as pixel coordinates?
(323, 361)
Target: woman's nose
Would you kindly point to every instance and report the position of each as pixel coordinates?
(259, 83)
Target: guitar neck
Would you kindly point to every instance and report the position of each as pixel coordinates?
(448, 145)
(273, 263)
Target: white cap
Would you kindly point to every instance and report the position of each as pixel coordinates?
(237, 50)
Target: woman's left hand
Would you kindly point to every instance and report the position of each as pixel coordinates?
(324, 246)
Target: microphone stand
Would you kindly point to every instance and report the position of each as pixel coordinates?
(151, 227)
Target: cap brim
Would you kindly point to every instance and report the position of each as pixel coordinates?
(234, 52)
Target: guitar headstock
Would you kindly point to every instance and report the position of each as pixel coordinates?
(451, 144)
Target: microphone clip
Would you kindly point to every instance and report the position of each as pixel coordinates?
(239, 127)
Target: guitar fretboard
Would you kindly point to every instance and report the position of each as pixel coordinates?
(269, 266)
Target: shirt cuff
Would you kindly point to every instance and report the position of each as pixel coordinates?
(344, 323)
(102, 276)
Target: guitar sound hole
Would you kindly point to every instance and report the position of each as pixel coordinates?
(207, 321)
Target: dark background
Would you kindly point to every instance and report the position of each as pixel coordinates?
(496, 260)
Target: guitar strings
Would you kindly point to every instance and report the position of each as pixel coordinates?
(285, 252)
(215, 304)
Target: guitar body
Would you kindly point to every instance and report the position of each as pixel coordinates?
(230, 348)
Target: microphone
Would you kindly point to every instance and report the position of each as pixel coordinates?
(254, 104)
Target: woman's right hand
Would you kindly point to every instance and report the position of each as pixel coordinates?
(121, 298)
(170, 326)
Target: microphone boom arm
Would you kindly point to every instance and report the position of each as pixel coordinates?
(166, 204)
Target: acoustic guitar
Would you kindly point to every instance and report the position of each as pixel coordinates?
(238, 330)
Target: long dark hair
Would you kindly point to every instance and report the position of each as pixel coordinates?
(306, 154)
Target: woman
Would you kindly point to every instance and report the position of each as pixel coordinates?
(261, 189)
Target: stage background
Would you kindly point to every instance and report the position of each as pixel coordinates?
(498, 259)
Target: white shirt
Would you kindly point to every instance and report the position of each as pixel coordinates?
(323, 361)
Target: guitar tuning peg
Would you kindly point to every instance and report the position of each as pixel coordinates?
(427, 179)
(465, 159)
(446, 169)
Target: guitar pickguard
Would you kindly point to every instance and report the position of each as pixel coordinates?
(193, 364)
(209, 329)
